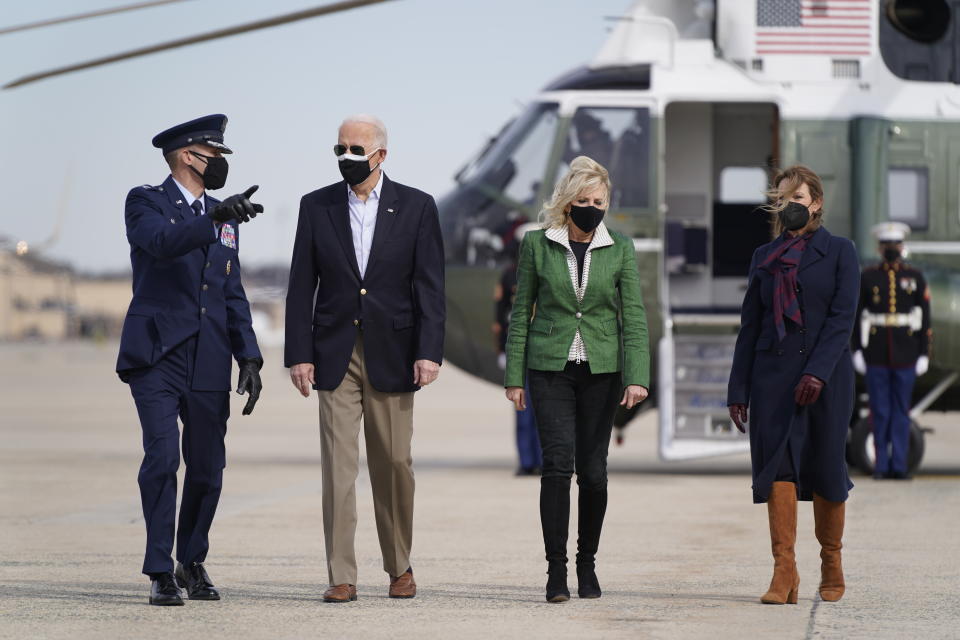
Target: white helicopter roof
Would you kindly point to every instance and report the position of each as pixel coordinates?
(823, 64)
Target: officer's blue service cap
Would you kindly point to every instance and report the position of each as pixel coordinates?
(207, 130)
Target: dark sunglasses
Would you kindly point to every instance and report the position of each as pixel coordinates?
(355, 149)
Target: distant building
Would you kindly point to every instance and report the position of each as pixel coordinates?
(36, 296)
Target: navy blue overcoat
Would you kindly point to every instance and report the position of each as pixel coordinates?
(766, 371)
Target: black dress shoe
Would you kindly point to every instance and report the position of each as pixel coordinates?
(164, 591)
(195, 580)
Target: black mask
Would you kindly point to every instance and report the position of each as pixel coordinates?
(586, 218)
(794, 216)
(216, 174)
(891, 254)
(355, 171)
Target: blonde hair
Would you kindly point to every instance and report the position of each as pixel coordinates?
(584, 173)
(786, 183)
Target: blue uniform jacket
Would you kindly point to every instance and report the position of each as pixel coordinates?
(186, 282)
(766, 371)
(399, 302)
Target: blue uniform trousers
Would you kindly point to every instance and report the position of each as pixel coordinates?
(528, 442)
(162, 393)
(890, 392)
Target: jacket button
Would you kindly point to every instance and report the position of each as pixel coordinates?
(356, 323)
(205, 287)
(579, 315)
(779, 352)
(363, 292)
(207, 266)
(203, 310)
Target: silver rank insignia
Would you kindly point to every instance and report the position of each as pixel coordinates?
(228, 267)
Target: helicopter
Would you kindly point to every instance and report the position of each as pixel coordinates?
(691, 105)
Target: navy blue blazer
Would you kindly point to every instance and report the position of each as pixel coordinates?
(765, 370)
(186, 282)
(399, 303)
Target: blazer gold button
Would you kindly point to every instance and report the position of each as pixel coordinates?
(579, 315)
(363, 292)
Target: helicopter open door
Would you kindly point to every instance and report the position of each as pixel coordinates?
(717, 159)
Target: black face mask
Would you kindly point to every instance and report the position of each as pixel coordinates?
(216, 174)
(355, 171)
(586, 218)
(794, 216)
(891, 254)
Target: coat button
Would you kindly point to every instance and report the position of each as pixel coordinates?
(207, 266)
(779, 352)
(579, 315)
(205, 287)
(363, 292)
(203, 310)
(356, 323)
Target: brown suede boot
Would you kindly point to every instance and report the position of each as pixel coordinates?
(782, 512)
(828, 518)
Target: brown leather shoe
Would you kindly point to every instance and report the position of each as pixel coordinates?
(403, 586)
(340, 593)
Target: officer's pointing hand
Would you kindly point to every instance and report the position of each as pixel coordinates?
(250, 382)
(237, 207)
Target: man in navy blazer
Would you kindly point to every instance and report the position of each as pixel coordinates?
(364, 326)
(188, 317)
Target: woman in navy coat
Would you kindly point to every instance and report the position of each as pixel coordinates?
(792, 369)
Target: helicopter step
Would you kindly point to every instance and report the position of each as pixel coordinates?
(694, 364)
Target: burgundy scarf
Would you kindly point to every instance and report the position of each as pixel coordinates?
(783, 263)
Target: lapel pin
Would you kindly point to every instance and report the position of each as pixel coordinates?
(179, 202)
(172, 221)
(389, 210)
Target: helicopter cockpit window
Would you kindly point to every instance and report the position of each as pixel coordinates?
(619, 139)
(500, 191)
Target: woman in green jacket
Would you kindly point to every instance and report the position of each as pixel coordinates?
(579, 331)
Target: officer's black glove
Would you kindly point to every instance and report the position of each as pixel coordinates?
(250, 381)
(237, 207)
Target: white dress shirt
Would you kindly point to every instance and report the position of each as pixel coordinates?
(363, 221)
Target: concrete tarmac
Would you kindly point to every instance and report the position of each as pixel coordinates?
(684, 552)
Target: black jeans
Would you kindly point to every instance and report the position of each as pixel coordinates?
(574, 410)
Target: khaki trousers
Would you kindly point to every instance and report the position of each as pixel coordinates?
(388, 430)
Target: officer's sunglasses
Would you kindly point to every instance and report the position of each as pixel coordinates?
(355, 149)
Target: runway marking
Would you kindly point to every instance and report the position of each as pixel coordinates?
(812, 621)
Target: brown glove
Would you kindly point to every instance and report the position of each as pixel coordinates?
(808, 390)
(738, 413)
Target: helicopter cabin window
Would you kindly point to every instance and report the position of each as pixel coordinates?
(619, 139)
(908, 196)
(742, 184)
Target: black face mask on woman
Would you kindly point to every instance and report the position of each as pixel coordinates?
(794, 216)
(216, 174)
(586, 218)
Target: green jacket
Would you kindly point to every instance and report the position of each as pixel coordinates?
(611, 317)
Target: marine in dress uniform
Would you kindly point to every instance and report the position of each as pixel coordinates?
(189, 315)
(892, 346)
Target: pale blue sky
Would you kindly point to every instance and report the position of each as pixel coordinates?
(443, 74)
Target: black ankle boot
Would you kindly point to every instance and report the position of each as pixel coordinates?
(557, 590)
(587, 584)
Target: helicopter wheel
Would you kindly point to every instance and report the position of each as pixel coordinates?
(861, 451)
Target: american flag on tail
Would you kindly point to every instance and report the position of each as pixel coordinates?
(816, 27)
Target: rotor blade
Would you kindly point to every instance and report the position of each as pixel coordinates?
(84, 16)
(203, 37)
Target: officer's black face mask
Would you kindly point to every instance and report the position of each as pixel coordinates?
(215, 176)
(355, 169)
(794, 216)
(586, 218)
(891, 254)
